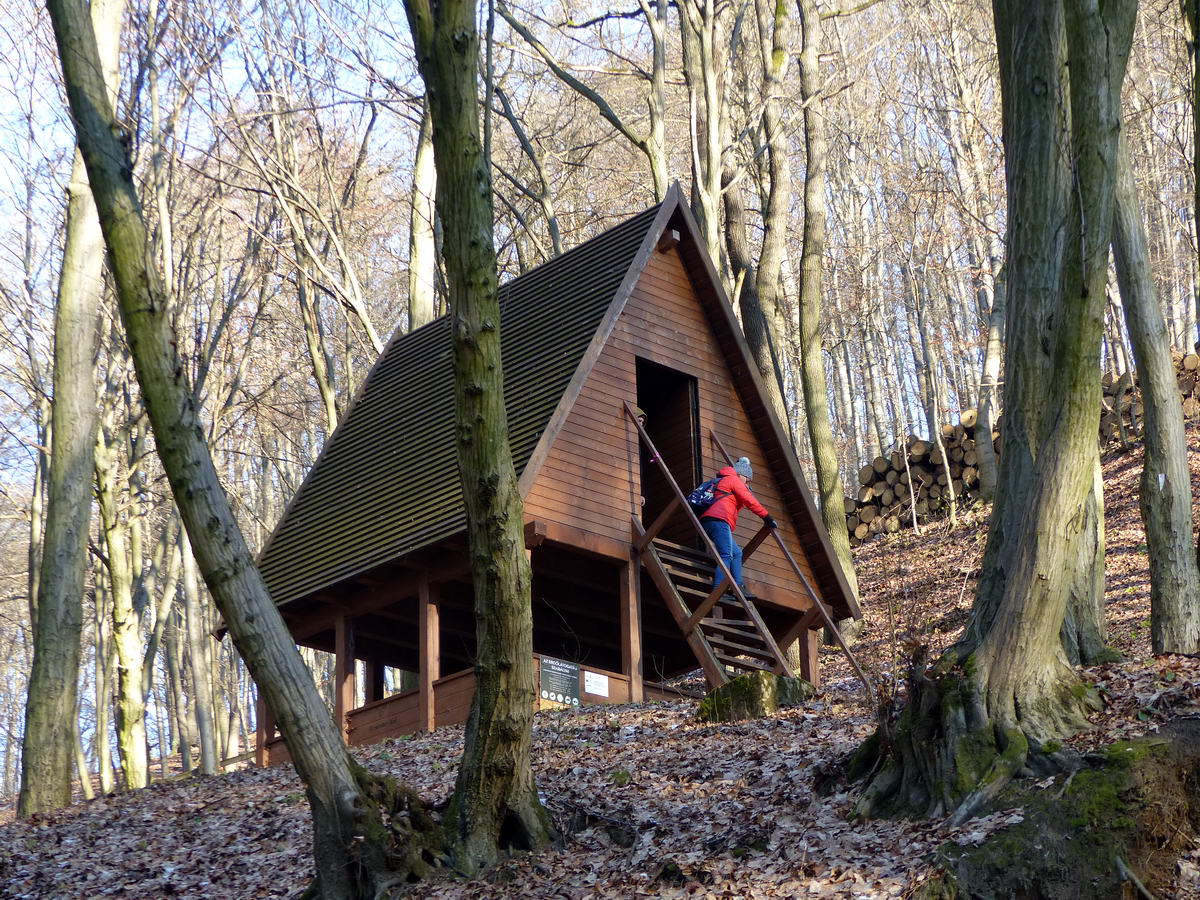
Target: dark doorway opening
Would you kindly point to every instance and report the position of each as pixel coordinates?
(670, 401)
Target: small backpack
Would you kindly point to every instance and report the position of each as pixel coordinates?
(705, 496)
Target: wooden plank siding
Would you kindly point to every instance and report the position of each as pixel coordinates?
(591, 477)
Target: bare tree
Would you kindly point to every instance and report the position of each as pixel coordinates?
(1006, 688)
(50, 705)
(355, 853)
(1165, 491)
(495, 806)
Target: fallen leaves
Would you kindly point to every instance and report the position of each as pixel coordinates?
(651, 803)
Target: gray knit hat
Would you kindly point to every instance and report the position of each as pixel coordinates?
(742, 467)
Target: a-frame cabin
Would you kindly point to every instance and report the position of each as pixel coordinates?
(369, 560)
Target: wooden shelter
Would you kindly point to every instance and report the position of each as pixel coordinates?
(369, 560)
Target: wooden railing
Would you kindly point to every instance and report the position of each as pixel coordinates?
(729, 584)
(818, 607)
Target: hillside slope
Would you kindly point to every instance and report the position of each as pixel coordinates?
(652, 803)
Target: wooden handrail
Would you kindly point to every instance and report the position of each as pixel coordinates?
(820, 607)
(733, 585)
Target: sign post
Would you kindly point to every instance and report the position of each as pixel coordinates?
(559, 685)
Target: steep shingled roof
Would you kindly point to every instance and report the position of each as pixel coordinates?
(357, 509)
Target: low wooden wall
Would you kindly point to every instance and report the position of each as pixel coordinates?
(398, 714)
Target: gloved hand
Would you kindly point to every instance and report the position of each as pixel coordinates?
(770, 522)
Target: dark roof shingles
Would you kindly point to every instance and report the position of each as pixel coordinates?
(387, 483)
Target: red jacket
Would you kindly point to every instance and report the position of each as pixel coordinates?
(737, 496)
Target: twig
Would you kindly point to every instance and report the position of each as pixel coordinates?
(1066, 784)
(1127, 874)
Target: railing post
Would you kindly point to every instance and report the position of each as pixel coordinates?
(631, 629)
(429, 661)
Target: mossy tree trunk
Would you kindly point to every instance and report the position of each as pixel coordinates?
(368, 834)
(1165, 491)
(812, 361)
(495, 806)
(1007, 689)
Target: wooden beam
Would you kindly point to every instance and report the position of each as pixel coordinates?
(631, 629)
(535, 533)
(588, 541)
(705, 606)
(810, 645)
(313, 623)
(808, 621)
(431, 663)
(755, 542)
(264, 731)
(344, 681)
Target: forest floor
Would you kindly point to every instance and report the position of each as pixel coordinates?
(653, 804)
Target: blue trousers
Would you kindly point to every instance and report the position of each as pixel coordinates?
(721, 535)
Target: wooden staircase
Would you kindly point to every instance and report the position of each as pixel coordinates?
(723, 628)
(727, 635)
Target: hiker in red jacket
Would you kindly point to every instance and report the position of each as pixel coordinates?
(720, 519)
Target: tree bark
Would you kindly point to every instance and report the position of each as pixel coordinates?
(422, 245)
(495, 806)
(47, 753)
(1165, 491)
(812, 363)
(127, 637)
(356, 855)
(989, 387)
(197, 636)
(1006, 689)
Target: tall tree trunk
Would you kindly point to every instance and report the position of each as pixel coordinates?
(985, 423)
(355, 854)
(1082, 632)
(755, 323)
(197, 638)
(127, 635)
(184, 736)
(702, 26)
(495, 806)
(104, 767)
(812, 362)
(1165, 491)
(52, 693)
(422, 246)
(81, 763)
(1006, 690)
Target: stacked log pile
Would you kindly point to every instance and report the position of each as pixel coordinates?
(920, 480)
(1121, 404)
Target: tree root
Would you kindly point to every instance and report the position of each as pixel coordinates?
(388, 841)
(515, 828)
(942, 754)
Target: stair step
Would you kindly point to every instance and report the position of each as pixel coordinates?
(704, 576)
(741, 663)
(695, 592)
(686, 567)
(758, 652)
(679, 550)
(738, 628)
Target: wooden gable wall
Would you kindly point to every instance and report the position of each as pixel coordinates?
(590, 478)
